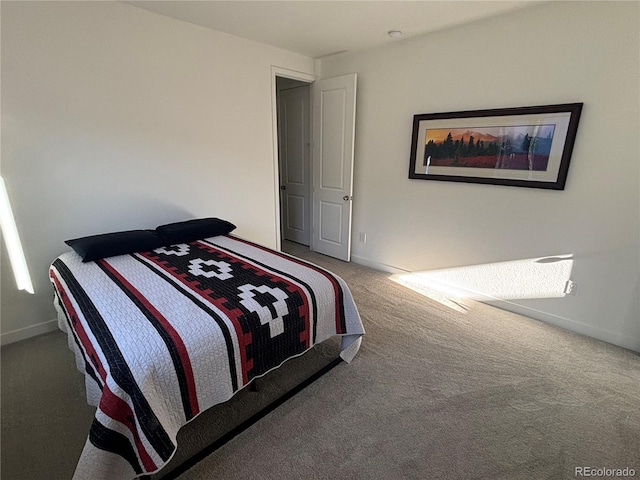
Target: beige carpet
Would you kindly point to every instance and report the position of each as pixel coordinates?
(470, 392)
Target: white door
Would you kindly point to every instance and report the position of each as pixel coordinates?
(334, 112)
(295, 165)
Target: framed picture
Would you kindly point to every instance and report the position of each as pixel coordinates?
(522, 147)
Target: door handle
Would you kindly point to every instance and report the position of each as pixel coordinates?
(346, 198)
(283, 187)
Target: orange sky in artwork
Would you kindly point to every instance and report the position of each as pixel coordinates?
(440, 135)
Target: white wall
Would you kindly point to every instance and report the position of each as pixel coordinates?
(116, 118)
(552, 53)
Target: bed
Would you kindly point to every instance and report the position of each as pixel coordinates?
(162, 335)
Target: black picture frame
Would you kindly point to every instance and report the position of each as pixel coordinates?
(521, 147)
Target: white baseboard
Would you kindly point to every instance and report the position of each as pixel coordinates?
(550, 318)
(28, 332)
(377, 265)
(556, 320)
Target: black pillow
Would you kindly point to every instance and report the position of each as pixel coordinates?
(95, 247)
(191, 230)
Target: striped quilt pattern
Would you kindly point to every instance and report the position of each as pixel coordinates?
(166, 334)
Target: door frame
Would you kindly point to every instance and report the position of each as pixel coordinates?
(294, 75)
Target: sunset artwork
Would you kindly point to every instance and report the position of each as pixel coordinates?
(522, 147)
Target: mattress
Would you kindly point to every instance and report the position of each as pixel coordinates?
(163, 335)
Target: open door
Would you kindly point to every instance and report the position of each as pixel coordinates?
(334, 113)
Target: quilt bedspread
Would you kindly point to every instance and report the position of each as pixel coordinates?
(163, 335)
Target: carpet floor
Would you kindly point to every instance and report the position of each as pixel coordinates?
(436, 392)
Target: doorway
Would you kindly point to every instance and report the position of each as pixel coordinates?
(293, 98)
(314, 192)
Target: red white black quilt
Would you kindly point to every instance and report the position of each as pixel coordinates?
(166, 334)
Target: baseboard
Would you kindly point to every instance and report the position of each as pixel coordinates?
(550, 318)
(383, 267)
(28, 332)
(556, 320)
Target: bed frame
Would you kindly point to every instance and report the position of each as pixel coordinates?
(253, 386)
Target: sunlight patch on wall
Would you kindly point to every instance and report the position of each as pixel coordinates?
(12, 239)
(544, 277)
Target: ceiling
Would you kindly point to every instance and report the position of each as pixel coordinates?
(322, 28)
